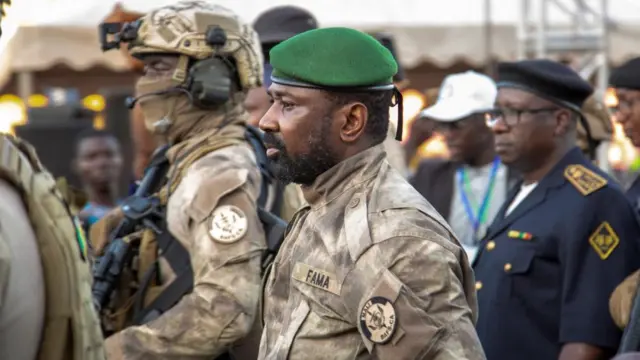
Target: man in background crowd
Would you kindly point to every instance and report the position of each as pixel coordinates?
(626, 82)
(469, 188)
(421, 130)
(273, 27)
(98, 163)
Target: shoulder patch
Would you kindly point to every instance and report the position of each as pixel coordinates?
(378, 320)
(228, 224)
(583, 179)
(604, 240)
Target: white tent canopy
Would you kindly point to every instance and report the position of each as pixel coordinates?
(332, 12)
(39, 33)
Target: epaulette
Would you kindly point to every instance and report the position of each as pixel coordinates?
(583, 179)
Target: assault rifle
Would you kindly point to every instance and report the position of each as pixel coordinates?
(140, 210)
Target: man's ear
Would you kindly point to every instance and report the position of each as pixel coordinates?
(355, 116)
(564, 122)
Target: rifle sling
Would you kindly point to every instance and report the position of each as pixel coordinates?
(179, 260)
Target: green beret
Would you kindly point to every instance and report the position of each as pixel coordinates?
(333, 58)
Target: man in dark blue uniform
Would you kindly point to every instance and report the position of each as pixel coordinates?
(565, 237)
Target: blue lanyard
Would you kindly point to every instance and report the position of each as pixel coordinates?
(477, 219)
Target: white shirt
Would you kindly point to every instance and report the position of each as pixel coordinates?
(525, 190)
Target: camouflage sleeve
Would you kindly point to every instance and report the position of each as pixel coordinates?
(418, 307)
(621, 300)
(227, 243)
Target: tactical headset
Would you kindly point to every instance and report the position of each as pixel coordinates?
(210, 82)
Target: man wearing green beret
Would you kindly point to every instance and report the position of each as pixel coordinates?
(368, 268)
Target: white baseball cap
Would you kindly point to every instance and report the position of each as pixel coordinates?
(462, 95)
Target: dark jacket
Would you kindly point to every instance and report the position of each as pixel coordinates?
(434, 180)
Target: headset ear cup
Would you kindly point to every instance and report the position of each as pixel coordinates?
(196, 91)
(211, 82)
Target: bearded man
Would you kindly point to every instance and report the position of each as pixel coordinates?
(368, 269)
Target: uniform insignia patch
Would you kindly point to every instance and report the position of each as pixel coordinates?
(583, 179)
(604, 240)
(228, 224)
(519, 235)
(378, 320)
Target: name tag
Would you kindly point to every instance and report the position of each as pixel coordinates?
(316, 278)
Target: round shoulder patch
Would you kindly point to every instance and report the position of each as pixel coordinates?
(228, 224)
(378, 320)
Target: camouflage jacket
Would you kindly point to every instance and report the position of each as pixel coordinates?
(369, 270)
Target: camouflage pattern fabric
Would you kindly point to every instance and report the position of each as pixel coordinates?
(369, 270)
(213, 213)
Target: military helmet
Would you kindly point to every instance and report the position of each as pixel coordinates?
(199, 30)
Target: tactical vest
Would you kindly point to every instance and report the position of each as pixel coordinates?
(139, 289)
(71, 327)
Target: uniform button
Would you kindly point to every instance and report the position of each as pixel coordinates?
(507, 267)
(478, 285)
(354, 202)
(491, 245)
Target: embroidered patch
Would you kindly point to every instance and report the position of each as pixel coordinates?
(378, 320)
(228, 224)
(583, 179)
(316, 278)
(520, 235)
(604, 240)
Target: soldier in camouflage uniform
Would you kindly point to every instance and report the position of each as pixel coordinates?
(369, 270)
(45, 281)
(212, 200)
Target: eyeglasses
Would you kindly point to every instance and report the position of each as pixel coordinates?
(623, 106)
(511, 117)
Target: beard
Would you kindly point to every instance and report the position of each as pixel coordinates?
(303, 168)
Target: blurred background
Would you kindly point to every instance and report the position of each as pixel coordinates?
(55, 81)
